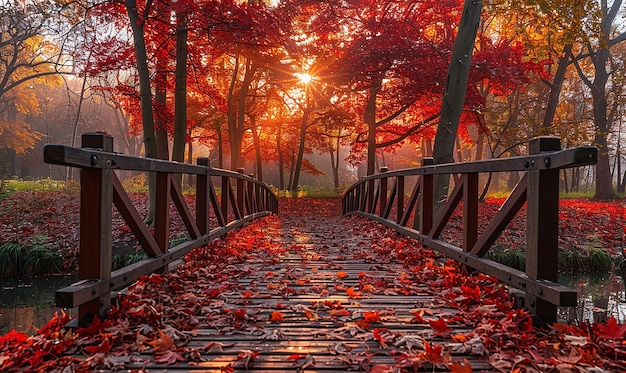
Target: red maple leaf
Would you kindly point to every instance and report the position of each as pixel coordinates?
(371, 317)
(13, 337)
(439, 325)
(105, 347)
(277, 316)
(612, 330)
(433, 353)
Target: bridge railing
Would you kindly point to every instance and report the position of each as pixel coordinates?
(375, 196)
(241, 200)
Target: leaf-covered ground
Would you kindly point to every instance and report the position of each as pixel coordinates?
(240, 302)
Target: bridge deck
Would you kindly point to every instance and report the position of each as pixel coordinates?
(325, 293)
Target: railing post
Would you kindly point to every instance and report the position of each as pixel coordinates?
(400, 198)
(426, 201)
(383, 192)
(542, 224)
(470, 210)
(202, 198)
(250, 200)
(225, 192)
(96, 205)
(240, 193)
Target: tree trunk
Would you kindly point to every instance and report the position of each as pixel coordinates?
(220, 144)
(454, 95)
(281, 161)
(334, 160)
(145, 95)
(237, 132)
(180, 92)
(257, 148)
(557, 84)
(369, 117)
(301, 143)
(160, 98)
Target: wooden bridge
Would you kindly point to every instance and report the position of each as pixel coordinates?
(311, 291)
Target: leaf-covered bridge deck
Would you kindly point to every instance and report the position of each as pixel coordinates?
(318, 294)
(310, 290)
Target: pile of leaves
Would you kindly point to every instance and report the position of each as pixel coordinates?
(157, 318)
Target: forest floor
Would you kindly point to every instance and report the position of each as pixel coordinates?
(217, 289)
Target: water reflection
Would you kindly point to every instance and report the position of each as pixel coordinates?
(27, 303)
(600, 296)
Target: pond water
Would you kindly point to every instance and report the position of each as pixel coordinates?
(600, 296)
(27, 304)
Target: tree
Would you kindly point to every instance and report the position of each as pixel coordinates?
(598, 52)
(27, 57)
(456, 87)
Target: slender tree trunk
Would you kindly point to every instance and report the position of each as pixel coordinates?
(238, 130)
(190, 178)
(180, 92)
(334, 158)
(281, 161)
(257, 148)
(81, 99)
(301, 143)
(160, 97)
(220, 144)
(557, 85)
(232, 115)
(291, 170)
(145, 95)
(454, 95)
(369, 117)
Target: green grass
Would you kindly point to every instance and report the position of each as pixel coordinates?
(34, 257)
(306, 191)
(514, 258)
(123, 260)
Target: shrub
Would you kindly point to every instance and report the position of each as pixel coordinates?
(514, 258)
(34, 257)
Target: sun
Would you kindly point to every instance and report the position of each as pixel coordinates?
(303, 77)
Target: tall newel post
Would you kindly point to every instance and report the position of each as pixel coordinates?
(542, 225)
(96, 205)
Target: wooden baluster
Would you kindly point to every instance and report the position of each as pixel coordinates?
(383, 192)
(542, 226)
(225, 192)
(240, 194)
(426, 200)
(162, 211)
(470, 210)
(400, 195)
(250, 200)
(96, 205)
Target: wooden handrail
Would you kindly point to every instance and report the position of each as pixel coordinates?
(101, 189)
(539, 188)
